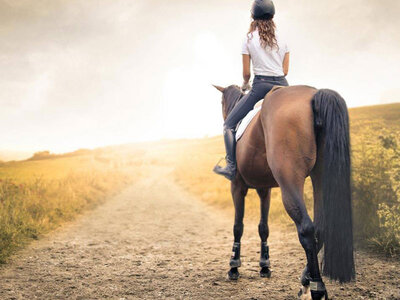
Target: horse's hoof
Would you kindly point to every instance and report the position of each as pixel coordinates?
(304, 293)
(233, 274)
(319, 295)
(265, 272)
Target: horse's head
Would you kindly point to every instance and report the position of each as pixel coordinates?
(230, 96)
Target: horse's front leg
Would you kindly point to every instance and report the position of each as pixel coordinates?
(239, 190)
(263, 231)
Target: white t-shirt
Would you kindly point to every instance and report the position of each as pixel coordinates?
(266, 61)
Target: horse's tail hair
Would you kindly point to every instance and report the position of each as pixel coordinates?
(331, 122)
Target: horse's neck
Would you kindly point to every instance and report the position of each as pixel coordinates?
(235, 101)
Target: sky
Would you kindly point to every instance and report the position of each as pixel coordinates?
(83, 74)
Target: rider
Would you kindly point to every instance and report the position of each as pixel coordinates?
(269, 55)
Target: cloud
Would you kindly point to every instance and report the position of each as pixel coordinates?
(77, 73)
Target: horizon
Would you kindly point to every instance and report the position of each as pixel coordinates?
(24, 155)
(75, 74)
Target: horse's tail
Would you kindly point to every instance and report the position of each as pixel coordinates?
(331, 121)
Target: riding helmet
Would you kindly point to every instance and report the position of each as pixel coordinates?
(262, 10)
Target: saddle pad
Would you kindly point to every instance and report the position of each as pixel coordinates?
(246, 121)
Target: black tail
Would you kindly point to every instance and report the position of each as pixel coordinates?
(332, 128)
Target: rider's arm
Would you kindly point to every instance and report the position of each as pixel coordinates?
(285, 64)
(246, 68)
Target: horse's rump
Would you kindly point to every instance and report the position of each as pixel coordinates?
(283, 126)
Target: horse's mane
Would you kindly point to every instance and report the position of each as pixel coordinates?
(232, 95)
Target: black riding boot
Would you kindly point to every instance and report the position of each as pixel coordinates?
(230, 145)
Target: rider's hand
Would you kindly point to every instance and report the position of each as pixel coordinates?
(246, 86)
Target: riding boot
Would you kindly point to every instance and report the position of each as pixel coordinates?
(230, 145)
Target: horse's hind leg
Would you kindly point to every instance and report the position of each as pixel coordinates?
(316, 177)
(263, 230)
(239, 190)
(292, 196)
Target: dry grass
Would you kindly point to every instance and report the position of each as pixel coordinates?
(37, 196)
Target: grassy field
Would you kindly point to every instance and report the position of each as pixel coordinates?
(40, 194)
(375, 132)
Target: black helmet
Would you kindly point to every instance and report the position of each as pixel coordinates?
(262, 10)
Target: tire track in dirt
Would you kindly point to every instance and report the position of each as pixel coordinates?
(154, 240)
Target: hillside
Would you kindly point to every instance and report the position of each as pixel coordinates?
(377, 119)
(387, 113)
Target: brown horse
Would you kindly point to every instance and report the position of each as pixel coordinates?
(299, 132)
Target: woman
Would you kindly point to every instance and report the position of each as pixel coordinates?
(270, 58)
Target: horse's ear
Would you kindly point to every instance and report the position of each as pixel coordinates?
(219, 88)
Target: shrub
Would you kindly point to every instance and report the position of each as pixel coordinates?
(376, 192)
(389, 225)
(41, 155)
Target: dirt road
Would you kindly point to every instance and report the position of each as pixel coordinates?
(156, 241)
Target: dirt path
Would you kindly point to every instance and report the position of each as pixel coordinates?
(156, 241)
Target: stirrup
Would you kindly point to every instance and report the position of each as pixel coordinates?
(217, 164)
(227, 171)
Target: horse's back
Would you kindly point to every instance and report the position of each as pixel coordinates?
(282, 133)
(293, 102)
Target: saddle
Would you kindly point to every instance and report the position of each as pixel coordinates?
(242, 125)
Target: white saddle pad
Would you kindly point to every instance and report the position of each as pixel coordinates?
(246, 121)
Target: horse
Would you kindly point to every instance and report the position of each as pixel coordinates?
(299, 131)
